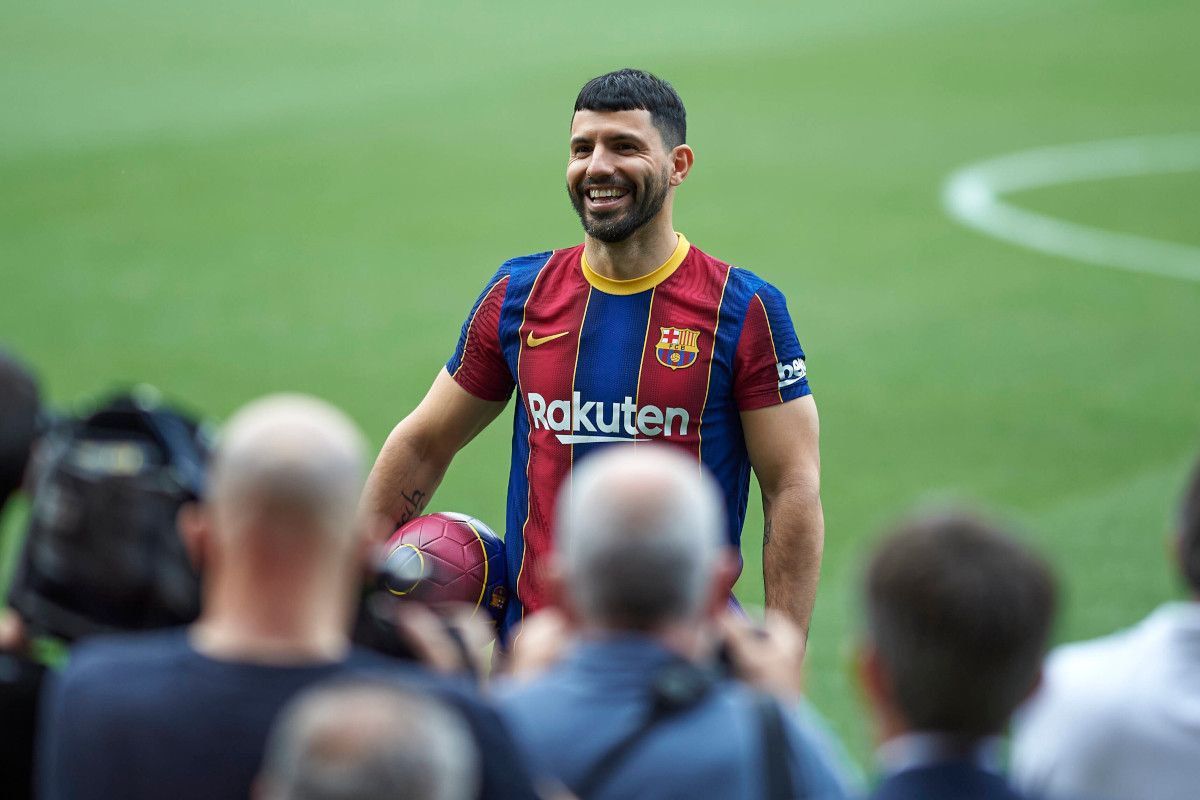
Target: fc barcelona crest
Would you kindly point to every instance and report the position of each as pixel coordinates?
(677, 348)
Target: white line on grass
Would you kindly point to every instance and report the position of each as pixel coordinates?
(973, 196)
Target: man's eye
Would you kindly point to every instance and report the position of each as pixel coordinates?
(580, 150)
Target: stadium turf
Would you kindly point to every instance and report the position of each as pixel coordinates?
(229, 199)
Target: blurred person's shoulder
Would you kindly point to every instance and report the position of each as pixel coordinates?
(459, 690)
(413, 674)
(128, 651)
(122, 675)
(1093, 690)
(1093, 665)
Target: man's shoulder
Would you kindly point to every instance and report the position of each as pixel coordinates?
(1087, 693)
(518, 274)
(1104, 661)
(739, 276)
(534, 693)
(533, 262)
(1093, 685)
(373, 666)
(122, 675)
(130, 652)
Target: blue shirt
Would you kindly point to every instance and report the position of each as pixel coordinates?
(147, 716)
(570, 718)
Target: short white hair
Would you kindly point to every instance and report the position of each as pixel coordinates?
(293, 460)
(354, 740)
(640, 532)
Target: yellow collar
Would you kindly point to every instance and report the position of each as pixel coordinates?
(635, 285)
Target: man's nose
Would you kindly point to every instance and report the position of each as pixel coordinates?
(601, 163)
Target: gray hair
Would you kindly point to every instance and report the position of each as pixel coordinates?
(640, 530)
(293, 461)
(359, 740)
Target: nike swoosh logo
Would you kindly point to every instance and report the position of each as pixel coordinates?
(535, 341)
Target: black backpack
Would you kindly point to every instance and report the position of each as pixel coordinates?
(102, 552)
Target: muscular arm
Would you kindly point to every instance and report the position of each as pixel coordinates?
(782, 441)
(418, 451)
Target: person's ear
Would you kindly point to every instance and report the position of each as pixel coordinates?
(555, 582)
(872, 677)
(368, 548)
(725, 574)
(1034, 685)
(195, 529)
(682, 158)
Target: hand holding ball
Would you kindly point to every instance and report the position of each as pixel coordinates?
(447, 558)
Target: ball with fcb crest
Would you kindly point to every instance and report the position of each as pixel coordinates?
(447, 558)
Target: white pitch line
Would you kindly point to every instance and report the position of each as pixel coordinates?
(973, 196)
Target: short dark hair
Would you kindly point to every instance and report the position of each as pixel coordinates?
(635, 89)
(1189, 531)
(959, 613)
(20, 415)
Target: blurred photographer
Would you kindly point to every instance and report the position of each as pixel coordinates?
(185, 712)
(20, 677)
(638, 706)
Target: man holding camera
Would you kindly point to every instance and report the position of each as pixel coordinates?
(638, 706)
(185, 712)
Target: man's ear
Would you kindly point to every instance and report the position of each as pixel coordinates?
(872, 677)
(682, 158)
(1034, 685)
(558, 594)
(724, 576)
(555, 582)
(195, 529)
(368, 548)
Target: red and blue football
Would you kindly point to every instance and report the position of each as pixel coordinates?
(447, 558)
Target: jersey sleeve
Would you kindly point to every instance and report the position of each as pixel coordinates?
(478, 363)
(769, 363)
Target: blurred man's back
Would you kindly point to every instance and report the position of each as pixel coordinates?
(1119, 717)
(958, 615)
(637, 708)
(185, 713)
(20, 677)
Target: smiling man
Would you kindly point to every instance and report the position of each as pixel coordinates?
(633, 336)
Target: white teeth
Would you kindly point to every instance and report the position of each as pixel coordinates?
(598, 193)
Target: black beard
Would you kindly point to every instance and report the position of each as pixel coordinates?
(618, 229)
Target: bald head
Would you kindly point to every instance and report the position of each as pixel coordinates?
(640, 532)
(288, 462)
(361, 741)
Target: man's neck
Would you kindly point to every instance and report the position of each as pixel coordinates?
(271, 625)
(692, 641)
(644, 251)
(917, 748)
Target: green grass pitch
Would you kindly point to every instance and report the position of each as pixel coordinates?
(229, 199)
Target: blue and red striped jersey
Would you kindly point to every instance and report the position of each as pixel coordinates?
(673, 356)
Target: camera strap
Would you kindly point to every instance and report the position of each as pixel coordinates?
(778, 778)
(678, 687)
(682, 686)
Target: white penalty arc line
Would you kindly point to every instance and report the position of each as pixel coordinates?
(973, 195)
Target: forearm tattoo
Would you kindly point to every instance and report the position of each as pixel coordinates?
(414, 502)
